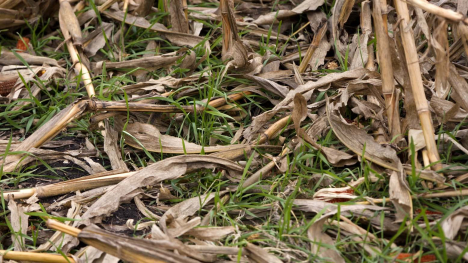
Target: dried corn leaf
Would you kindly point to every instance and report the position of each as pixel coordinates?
(400, 196)
(178, 214)
(71, 22)
(97, 39)
(8, 58)
(260, 255)
(459, 88)
(136, 250)
(269, 85)
(275, 17)
(441, 48)
(177, 38)
(211, 233)
(19, 222)
(149, 137)
(148, 63)
(178, 20)
(170, 168)
(360, 142)
(144, 7)
(345, 11)
(112, 149)
(452, 224)
(93, 255)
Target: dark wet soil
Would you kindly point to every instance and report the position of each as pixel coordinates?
(125, 212)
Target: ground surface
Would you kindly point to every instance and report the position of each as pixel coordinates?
(261, 128)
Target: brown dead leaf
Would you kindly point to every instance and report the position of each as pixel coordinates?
(140, 250)
(211, 233)
(166, 169)
(71, 22)
(400, 196)
(452, 224)
(148, 137)
(178, 20)
(260, 255)
(357, 140)
(178, 214)
(8, 58)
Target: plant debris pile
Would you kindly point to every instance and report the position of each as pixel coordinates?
(243, 131)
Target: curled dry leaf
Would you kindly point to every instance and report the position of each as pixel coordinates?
(93, 255)
(170, 168)
(133, 249)
(315, 231)
(178, 38)
(19, 222)
(260, 255)
(8, 58)
(178, 20)
(149, 63)
(273, 17)
(334, 195)
(452, 224)
(71, 22)
(307, 90)
(211, 233)
(400, 196)
(360, 142)
(148, 137)
(112, 149)
(180, 212)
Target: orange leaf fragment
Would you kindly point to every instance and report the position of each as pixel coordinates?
(425, 258)
(22, 44)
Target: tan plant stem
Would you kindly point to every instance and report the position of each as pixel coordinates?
(439, 11)
(273, 129)
(100, 240)
(417, 87)
(386, 68)
(19, 194)
(454, 193)
(85, 76)
(184, 4)
(384, 11)
(35, 257)
(54, 224)
(379, 135)
(313, 46)
(106, 5)
(229, 26)
(265, 169)
(82, 183)
(233, 97)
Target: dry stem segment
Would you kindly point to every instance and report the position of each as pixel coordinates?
(35, 257)
(388, 86)
(265, 169)
(439, 11)
(313, 46)
(273, 129)
(19, 194)
(229, 25)
(412, 62)
(54, 224)
(106, 5)
(85, 75)
(140, 107)
(233, 97)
